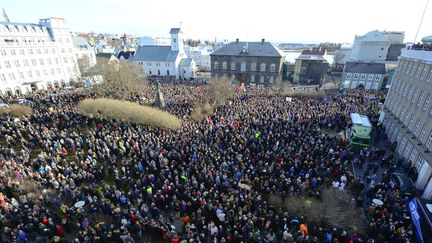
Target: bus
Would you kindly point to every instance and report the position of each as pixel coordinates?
(359, 133)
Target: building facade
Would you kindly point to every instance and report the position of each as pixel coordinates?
(160, 60)
(368, 75)
(310, 67)
(36, 56)
(408, 113)
(251, 63)
(85, 53)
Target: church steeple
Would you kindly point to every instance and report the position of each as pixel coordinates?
(176, 39)
(5, 16)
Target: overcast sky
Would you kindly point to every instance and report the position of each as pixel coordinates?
(274, 20)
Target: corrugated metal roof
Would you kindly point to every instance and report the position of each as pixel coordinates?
(155, 53)
(260, 49)
(360, 67)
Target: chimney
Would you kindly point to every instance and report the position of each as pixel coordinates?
(262, 41)
(237, 40)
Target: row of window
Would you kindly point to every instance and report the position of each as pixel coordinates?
(406, 148)
(414, 95)
(38, 51)
(158, 64)
(363, 76)
(30, 74)
(253, 66)
(252, 78)
(34, 62)
(414, 68)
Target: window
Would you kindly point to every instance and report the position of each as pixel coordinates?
(414, 98)
(52, 71)
(420, 100)
(174, 39)
(13, 53)
(216, 65)
(243, 67)
(363, 76)
(148, 63)
(17, 63)
(21, 74)
(158, 71)
(417, 126)
(427, 101)
(429, 141)
(263, 67)
(252, 78)
(271, 79)
(58, 71)
(7, 64)
(41, 61)
(157, 64)
(377, 77)
(31, 51)
(224, 65)
(348, 75)
(425, 71)
(11, 76)
(262, 79)
(370, 77)
(26, 64)
(56, 60)
(22, 52)
(423, 132)
(3, 77)
(62, 50)
(33, 62)
(49, 61)
(46, 50)
(3, 53)
(429, 76)
(411, 123)
(413, 68)
(29, 74)
(65, 60)
(37, 73)
(167, 72)
(253, 66)
(272, 67)
(38, 51)
(167, 64)
(356, 75)
(53, 50)
(233, 66)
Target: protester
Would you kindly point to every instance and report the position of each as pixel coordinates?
(86, 179)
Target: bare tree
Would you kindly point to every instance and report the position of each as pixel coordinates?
(338, 57)
(121, 79)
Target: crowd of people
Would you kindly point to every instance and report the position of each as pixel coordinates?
(70, 178)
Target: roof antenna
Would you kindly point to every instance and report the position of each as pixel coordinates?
(421, 21)
(5, 16)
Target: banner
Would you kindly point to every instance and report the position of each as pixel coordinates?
(415, 216)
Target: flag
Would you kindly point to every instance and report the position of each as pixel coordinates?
(5, 16)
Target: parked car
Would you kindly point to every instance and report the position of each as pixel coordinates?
(405, 184)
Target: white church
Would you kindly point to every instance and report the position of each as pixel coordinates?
(166, 60)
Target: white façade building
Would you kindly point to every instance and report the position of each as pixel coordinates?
(85, 53)
(36, 56)
(165, 60)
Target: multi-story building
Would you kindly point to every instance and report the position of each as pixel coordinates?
(36, 56)
(84, 52)
(256, 63)
(310, 67)
(367, 75)
(408, 113)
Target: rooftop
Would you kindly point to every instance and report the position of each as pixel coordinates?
(259, 49)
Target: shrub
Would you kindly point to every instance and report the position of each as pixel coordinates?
(129, 112)
(201, 111)
(16, 110)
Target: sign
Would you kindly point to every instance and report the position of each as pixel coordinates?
(415, 217)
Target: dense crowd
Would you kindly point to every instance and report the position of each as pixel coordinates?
(207, 182)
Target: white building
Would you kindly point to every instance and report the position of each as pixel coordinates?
(165, 60)
(343, 54)
(36, 56)
(84, 52)
(372, 47)
(200, 55)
